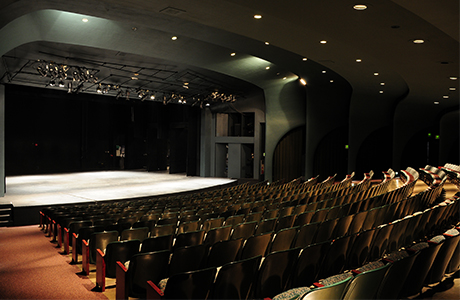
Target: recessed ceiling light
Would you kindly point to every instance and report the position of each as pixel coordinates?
(436, 102)
(360, 7)
(382, 83)
(358, 60)
(323, 42)
(453, 77)
(302, 81)
(304, 59)
(284, 78)
(331, 81)
(381, 92)
(84, 20)
(233, 54)
(452, 89)
(323, 71)
(418, 41)
(267, 43)
(258, 17)
(267, 68)
(376, 74)
(174, 38)
(445, 96)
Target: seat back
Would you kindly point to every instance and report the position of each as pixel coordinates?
(119, 251)
(188, 258)
(190, 285)
(100, 240)
(143, 267)
(234, 279)
(330, 288)
(256, 245)
(224, 252)
(140, 233)
(244, 230)
(283, 239)
(218, 234)
(366, 284)
(306, 235)
(274, 273)
(157, 243)
(160, 230)
(266, 225)
(191, 238)
(308, 264)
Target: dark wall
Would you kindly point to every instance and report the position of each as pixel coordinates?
(51, 131)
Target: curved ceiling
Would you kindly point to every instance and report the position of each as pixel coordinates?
(411, 77)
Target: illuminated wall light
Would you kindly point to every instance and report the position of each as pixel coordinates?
(174, 38)
(257, 17)
(381, 92)
(382, 83)
(302, 81)
(323, 42)
(418, 41)
(453, 77)
(84, 20)
(436, 102)
(376, 74)
(324, 71)
(360, 7)
(267, 43)
(358, 60)
(267, 68)
(284, 78)
(452, 89)
(304, 59)
(445, 96)
(232, 54)
(331, 81)
(152, 97)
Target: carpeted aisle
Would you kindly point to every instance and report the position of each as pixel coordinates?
(32, 268)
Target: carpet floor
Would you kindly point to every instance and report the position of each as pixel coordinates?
(31, 268)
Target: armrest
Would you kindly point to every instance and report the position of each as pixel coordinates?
(74, 249)
(100, 270)
(59, 234)
(153, 292)
(66, 241)
(121, 288)
(85, 257)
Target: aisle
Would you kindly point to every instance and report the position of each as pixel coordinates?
(32, 268)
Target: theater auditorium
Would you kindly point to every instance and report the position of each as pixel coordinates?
(228, 149)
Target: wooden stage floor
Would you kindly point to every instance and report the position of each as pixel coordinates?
(56, 189)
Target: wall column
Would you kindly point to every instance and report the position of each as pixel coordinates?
(2, 140)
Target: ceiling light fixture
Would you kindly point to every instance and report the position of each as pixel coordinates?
(84, 20)
(267, 43)
(267, 68)
(446, 96)
(323, 71)
(360, 7)
(174, 38)
(331, 81)
(302, 81)
(452, 89)
(382, 83)
(232, 54)
(323, 42)
(381, 92)
(376, 74)
(358, 60)
(304, 59)
(436, 102)
(418, 41)
(453, 77)
(257, 17)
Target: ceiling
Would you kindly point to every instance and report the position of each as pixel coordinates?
(372, 50)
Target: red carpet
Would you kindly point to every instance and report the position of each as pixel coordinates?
(32, 268)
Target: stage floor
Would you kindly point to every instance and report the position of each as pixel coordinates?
(39, 190)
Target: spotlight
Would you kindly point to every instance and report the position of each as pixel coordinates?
(52, 82)
(99, 89)
(61, 84)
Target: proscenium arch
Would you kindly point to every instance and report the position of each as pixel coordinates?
(64, 27)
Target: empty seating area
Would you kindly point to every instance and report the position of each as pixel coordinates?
(277, 240)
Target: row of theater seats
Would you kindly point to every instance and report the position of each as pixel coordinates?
(295, 232)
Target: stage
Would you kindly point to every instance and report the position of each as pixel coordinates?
(28, 194)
